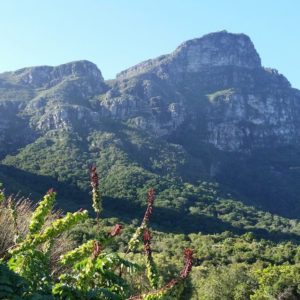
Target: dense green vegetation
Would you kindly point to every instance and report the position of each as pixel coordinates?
(129, 163)
(33, 264)
(256, 255)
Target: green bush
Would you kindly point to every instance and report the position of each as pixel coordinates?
(90, 271)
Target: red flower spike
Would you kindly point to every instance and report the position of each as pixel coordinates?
(151, 196)
(170, 284)
(188, 253)
(94, 177)
(147, 236)
(50, 191)
(147, 242)
(116, 230)
(188, 258)
(97, 249)
(150, 200)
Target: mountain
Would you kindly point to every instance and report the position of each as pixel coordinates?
(202, 124)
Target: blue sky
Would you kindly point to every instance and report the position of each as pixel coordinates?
(116, 34)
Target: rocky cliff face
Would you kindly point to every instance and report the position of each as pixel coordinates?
(212, 50)
(46, 77)
(213, 86)
(217, 78)
(48, 98)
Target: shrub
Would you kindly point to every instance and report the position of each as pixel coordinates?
(32, 255)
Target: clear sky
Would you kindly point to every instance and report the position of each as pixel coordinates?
(116, 34)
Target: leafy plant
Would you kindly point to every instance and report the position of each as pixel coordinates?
(90, 271)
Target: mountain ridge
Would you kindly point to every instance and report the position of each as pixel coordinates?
(210, 109)
(214, 49)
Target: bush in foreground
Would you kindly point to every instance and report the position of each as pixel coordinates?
(34, 265)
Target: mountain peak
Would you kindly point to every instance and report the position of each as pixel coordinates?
(219, 49)
(212, 50)
(46, 76)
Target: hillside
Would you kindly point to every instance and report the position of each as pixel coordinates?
(206, 115)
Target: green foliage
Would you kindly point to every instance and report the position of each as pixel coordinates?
(41, 212)
(130, 162)
(52, 231)
(135, 239)
(227, 266)
(90, 271)
(152, 272)
(33, 266)
(232, 282)
(12, 286)
(97, 201)
(76, 255)
(276, 280)
(94, 272)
